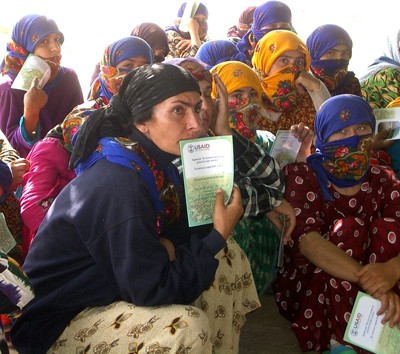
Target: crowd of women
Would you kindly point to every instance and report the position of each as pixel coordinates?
(102, 258)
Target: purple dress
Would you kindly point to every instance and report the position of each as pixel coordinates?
(65, 93)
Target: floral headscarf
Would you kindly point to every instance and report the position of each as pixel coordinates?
(110, 78)
(245, 117)
(195, 66)
(26, 34)
(343, 162)
(279, 86)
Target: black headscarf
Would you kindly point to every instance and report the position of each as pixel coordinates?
(141, 89)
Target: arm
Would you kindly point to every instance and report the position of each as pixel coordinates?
(48, 174)
(315, 87)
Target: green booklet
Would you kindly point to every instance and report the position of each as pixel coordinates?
(366, 330)
(207, 163)
(388, 119)
(285, 147)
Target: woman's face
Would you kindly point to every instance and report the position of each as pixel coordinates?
(175, 119)
(132, 63)
(49, 49)
(291, 57)
(355, 129)
(340, 51)
(207, 106)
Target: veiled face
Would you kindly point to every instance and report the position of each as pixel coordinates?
(175, 119)
(355, 129)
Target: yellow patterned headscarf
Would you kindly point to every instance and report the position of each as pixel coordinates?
(279, 86)
(236, 75)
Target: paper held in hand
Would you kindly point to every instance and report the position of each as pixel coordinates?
(34, 67)
(207, 164)
(388, 119)
(190, 11)
(365, 329)
(285, 147)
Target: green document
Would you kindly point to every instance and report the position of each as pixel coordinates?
(366, 330)
(207, 163)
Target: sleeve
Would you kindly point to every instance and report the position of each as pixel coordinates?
(320, 96)
(173, 39)
(7, 153)
(302, 194)
(47, 175)
(258, 177)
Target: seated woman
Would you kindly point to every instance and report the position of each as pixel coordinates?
(101, 276)
(292, 94)
(347, 216)
(49, 158)
(330, 47)
(184, 39)
(212, 53)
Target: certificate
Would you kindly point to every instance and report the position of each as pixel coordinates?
(366, 330)
(207, 163)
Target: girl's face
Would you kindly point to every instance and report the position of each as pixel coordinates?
(244, 93)
(49, 49)
(291, 57)
(355, 129)
(132, 63)
(175, 119)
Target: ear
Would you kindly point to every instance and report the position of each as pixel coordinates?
(142, 127)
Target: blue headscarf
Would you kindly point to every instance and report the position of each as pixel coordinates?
(336, 113)
(325, 38)
(215, 52)
(265, 14)
(201, 10)
(109, 78)
(26, 34)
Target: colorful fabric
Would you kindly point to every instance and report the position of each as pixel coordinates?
(110, 77)
(155, 36)
(244, 23)
(15, 288)
(214, 52)
(264, 15)
(5, 180)
(342, 162)
(365, 225)
(26, 34)
(194, 66)
(380, 84)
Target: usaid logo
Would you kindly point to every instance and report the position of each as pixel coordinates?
(354, 330)
(198, 147)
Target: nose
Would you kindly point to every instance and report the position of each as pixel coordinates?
(194, 120)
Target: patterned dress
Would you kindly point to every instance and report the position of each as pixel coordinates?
(365, 226)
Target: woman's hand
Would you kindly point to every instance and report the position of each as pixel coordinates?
(220, 123)
(226, 217)
(307, 82)
(305, 136)
(18, 169)
(390, 306)
(284, 219)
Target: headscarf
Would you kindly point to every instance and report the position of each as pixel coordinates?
(154, 35)
(343, 162)
(214, 52)
(26, 34)
(244, 116)
(110, 77)
(244, 23)
(201, 10)
(390, 57)
(333, 72)
(194, 66)
(279, 86)
(142, 88)
(265, 14)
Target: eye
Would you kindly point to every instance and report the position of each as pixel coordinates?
(253, 94)
(284, 61)
(178, 110)
(300, 63)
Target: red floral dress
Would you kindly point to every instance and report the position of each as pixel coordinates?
(366, 226)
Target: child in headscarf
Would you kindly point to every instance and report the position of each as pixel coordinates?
(49, 158)
(185, 43)
(330, 47)
(347, 217)
(292, 94)
(26, 117)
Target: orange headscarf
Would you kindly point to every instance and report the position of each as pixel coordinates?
(279, 86)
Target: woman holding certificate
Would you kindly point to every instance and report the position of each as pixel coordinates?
(347, 234)
(101, 276)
